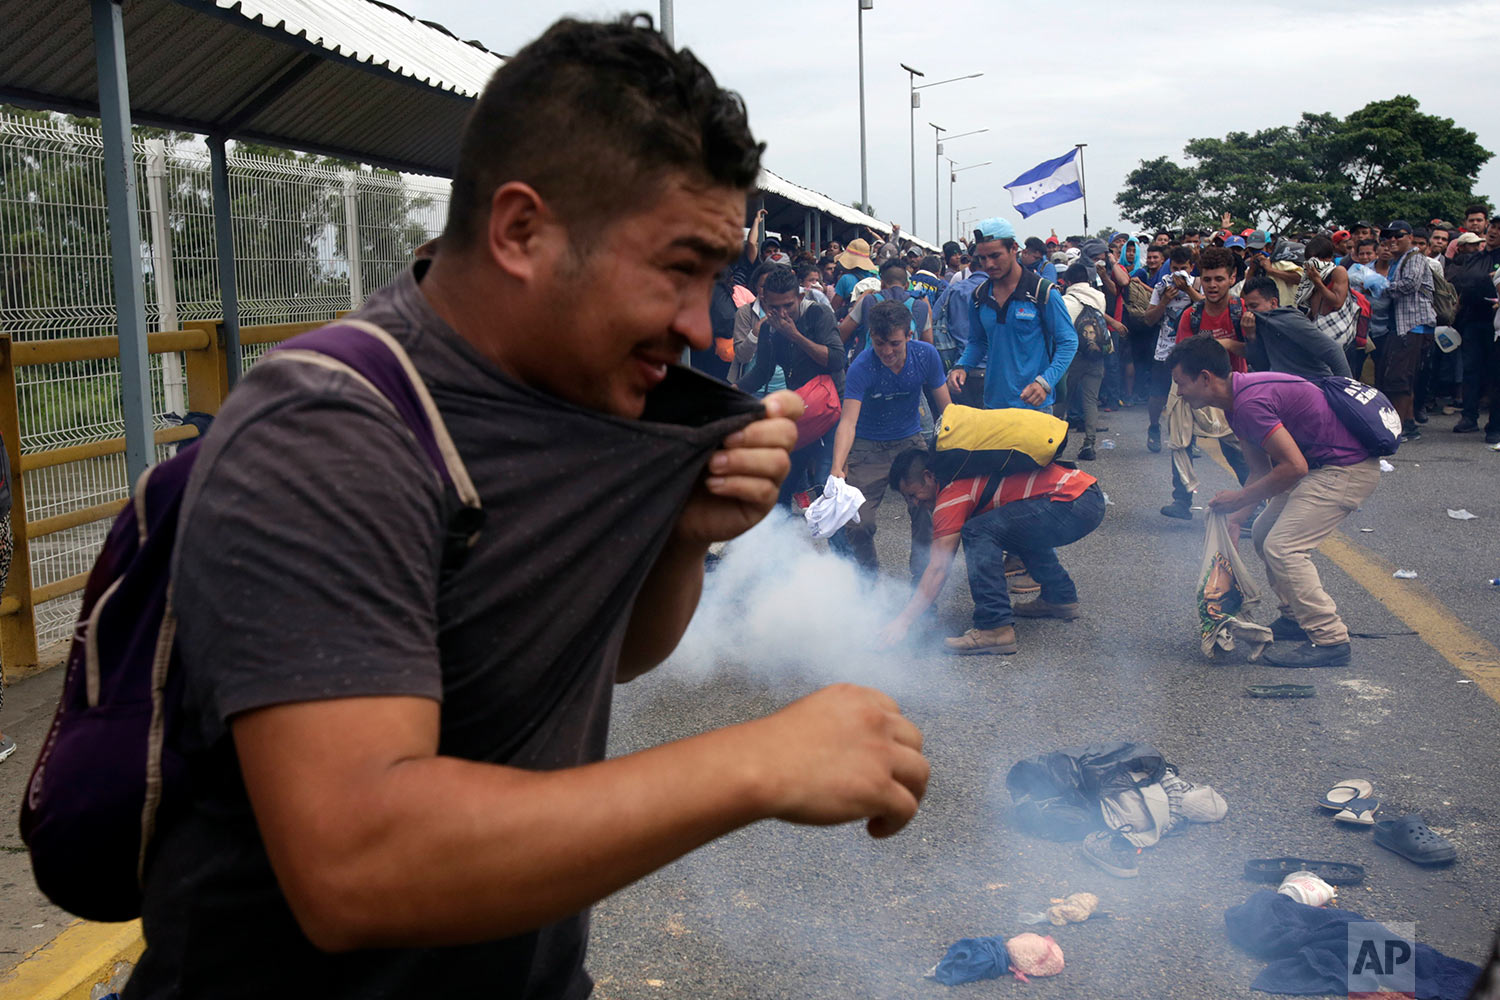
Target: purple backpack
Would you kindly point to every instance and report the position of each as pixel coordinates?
(112, 772)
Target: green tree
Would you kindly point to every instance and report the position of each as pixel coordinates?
(1387, 160)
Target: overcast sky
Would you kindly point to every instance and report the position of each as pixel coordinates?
(1054, 75)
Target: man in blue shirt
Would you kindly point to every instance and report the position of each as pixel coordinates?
(882, 399)
(1035, 259)
(1018, 327)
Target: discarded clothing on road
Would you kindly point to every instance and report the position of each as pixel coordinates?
(1224, 590)
(1126, 787)
(973, 959)
(1308, 947)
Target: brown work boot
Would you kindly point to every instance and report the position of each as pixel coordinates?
(1013, 565)
(1045, 609)
(1000, 640)
(1023, 584)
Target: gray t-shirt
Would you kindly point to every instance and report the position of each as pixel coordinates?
(309, 567)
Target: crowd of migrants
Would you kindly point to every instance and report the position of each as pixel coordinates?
(1216, 333)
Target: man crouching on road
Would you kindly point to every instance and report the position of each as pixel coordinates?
(1308, 465)
(399, 788)
(1029, 513)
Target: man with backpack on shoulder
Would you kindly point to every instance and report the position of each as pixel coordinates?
(396, 717)
(1085, 305)
(1413, 322)
(1019, 330)
(1311, 468)
(895, 286)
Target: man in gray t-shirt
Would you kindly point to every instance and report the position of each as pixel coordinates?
(396, 742)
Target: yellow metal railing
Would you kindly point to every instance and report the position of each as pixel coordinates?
(201, 344)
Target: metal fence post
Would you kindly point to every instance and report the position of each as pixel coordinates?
(124, 237)
(352, 241)
(158, 209)
(229, 294)
(18, 652)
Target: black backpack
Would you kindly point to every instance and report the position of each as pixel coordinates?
(1195, 315)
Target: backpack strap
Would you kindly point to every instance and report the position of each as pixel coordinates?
(987, 495)
(376, 360)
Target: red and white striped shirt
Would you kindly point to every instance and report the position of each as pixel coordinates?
(955, 504)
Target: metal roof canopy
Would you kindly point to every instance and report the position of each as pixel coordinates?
(349, 78)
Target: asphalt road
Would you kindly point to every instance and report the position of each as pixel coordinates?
(777, 911)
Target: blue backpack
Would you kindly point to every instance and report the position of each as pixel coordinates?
(1364, 411)
(113, 772)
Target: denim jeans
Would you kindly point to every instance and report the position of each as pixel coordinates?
(810, 467)
(1032, 529)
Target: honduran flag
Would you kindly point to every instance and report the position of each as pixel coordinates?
(1046, 184)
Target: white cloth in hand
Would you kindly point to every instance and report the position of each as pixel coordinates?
(838, 505)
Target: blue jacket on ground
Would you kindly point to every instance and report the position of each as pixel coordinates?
(1016, 341)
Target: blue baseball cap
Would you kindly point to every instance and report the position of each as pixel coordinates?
(1119, 236)
(994, 229)
(1234, 241)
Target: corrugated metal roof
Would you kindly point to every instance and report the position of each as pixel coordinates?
(352, 78)
(774, 183)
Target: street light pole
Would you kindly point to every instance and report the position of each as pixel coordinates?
(916, 102)
(666, 22)
(864, 160)
(953, 173)
(937, 202)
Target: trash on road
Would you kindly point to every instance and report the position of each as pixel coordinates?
(1281, 691)
(1224, 589)
(1386, 466)
(1366, 530)
(1495, 582)
(1405, 574)
(1307, 888)
(973, 959)
(1073, 909)
(1106, 445)
(1107, 501)
(1462, 514)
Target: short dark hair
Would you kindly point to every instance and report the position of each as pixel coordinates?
(1368, 241)
(761, 271)
(1483, 210)
(1264, 286)
(1076, 274)
(1216, 258)
(780, 279)
(1180, 255)
(951, 247)
(1199, 354)
(1153, 248)
(888, 317)
(906, 467)
(893, 265)
(1035, 244)
(1322, 247)
(806, 267)
(1421, 233)
(586, 86)
(933, 263)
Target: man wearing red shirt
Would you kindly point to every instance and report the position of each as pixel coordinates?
(1218, 315)
(1028, 513)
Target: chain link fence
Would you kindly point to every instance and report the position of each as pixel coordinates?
(297, 258)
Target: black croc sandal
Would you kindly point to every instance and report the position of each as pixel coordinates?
(1332, 872)
(1410, 838)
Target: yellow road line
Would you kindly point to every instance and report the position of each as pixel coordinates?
(69, 966)
(1434, 624)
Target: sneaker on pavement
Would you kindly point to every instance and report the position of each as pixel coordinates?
(1420, 415)
(1000, 640)
(1086, 453)
(1180, 509)
(1465, 426)
(1045, 609)
(1153, 438)
(1286, 629)
(7, 747)
(1492, 437)
(1307, 654)
(1113, 853)
(1410, 432)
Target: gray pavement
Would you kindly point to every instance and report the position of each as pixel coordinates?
(778, 911)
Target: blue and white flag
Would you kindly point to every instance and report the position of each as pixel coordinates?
(1046, 184)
